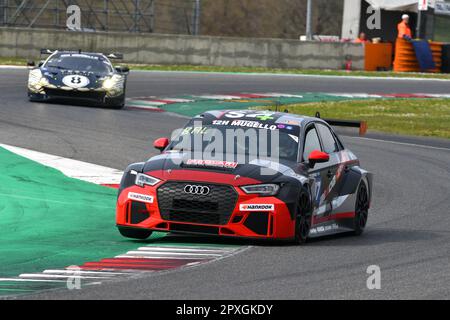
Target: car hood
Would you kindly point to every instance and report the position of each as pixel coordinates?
(264, 171)
(57, 76)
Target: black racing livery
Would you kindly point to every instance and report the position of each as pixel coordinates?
(78, 77)
(250, 174)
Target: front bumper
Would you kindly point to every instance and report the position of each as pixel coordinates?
(252, 216)
(89, 96)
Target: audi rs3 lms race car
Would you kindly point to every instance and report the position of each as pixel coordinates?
(247, 174)
(75, 76)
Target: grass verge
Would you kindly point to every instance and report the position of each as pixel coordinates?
(418, 117)
(194, 68)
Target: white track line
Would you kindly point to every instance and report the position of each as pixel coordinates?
(172, 246)
(184, 250)
(72, 168)
(28, 280)
(12, 67)
(166, 254)
(139, 255)
(219, 97)
(55, 276)
(146, 103)
(81, 272)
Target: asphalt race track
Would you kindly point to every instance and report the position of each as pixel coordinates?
(408, 234)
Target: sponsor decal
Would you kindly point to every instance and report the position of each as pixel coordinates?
(75, 81)
(212, 163)
(245, 124)
(257, 207)
(140, 197)
(194, 130)
(323, 229)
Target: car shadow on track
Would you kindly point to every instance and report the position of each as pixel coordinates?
(374, 237)
(371, 237)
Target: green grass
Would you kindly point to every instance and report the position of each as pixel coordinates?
(196, 68)
(419, 117)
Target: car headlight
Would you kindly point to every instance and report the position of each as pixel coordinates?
(35, 77)
(44, 82)
(114, 83)
(109, 83)
(143, 179)
(262, 189)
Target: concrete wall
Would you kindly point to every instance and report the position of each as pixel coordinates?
(177, 49)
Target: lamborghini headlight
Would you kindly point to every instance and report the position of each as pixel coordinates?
(114, 84)
(262, 189)
(143, 179)
(108, 84)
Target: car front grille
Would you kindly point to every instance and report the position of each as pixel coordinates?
(73, 94)
(214, 209)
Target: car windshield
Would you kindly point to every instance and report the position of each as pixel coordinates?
(79, 62)
(245, 141)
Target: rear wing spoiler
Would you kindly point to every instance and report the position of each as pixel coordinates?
(47, 51)
(362, 125)
(115, 55)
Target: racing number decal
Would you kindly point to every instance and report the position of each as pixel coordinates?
(264, 116)
(75, 81)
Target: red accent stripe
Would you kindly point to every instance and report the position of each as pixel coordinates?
(160, 100)
(146, 109)
(114, 186)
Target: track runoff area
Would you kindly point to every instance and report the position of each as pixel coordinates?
(54, 246)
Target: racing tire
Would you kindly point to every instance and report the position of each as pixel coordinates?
(303, 217)
(140, 234)
(361, 209)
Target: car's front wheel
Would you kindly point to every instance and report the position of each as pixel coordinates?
(303, 219)
(140, 234)
(361, 209)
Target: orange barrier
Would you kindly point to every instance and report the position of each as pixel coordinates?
(378, 56)
(405, 57)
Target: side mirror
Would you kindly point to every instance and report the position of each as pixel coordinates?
(123, 70)
(161, 144)
(318, 157)
(31, 64)
(41, 63)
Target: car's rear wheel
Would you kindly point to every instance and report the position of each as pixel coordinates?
(140, 234)
(361, 209)
(303, 219)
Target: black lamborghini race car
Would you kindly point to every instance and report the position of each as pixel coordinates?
(248, 174)
(80, 77)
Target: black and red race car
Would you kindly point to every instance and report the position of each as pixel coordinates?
(250, 174)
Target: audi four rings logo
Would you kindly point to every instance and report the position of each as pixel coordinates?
(197, 190)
